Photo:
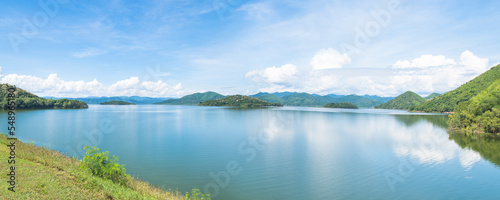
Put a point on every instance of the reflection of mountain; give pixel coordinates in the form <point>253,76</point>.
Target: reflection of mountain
<point>488,148</point>
<point>437,120</point>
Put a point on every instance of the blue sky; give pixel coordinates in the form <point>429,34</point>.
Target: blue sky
<point>72,48</point>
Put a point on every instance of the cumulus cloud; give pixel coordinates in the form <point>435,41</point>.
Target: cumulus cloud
<point>424,74</point>
<point>468,59</point>
<point>329,59</point>
<point>425,61</point>
<point>283,74</point>
<point>54,86</point>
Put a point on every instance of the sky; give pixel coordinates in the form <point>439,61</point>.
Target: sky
<point>171,48</point>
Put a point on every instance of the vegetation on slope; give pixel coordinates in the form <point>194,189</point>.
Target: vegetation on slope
<point>448,101</point>
<point>378,98</point>
<point>239,101</point>
<point>193,99</point>
<point>306,99</point>
<point>271,98</point>
<point>116,103</point>
<point>403,101</point>
<point>341,105</point>
<point>433,95</point>
<point>358,100</point>
<point>27,100</point>
<point>47,174</point>
<point>479,115</point>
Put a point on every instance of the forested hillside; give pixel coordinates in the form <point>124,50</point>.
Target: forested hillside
<point>448,101</point>
<point>27,100</point>
<point>193,99</point>
<point>403,101</point>
<point>238,101</point>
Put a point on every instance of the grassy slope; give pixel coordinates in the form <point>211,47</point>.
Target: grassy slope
<point>47,174</point>
<point>403,101</point>
<point>448,101</point>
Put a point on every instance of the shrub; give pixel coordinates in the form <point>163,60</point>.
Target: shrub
<point>197,195</point>
<point>100,164</point>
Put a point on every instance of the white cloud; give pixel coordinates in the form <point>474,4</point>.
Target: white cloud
<point>54,86</point>
<point>468,59</point>
<point>328,59</point>
<point>89,52</point>
<point>258,11</point>
<point>425,61</point>
<point>283,74</point>
<point>425,74</point>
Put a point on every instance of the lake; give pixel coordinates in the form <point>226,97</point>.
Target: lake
<point>278,153</point>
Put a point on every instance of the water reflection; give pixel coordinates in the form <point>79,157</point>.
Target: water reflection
<point>424,139</point>
<point>488,148</point>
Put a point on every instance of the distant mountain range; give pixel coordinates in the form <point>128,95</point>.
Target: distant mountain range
<point>285,98</point>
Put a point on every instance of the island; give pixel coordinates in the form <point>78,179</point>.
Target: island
<point>341,105</point>
<point>239,101</point>
<point>116,103</point>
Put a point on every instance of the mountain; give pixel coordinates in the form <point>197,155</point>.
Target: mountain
<point>357,100</point>
<point>282,94</point>
<point>341,105</point>
<point>306,99</point>
<point>448,101</point>
<point>378,98</point>
<point>131,99</point>
<point>269,98</point>
<point>27,100</point>
<point>238,101</point>
<point>479,115</point>
<point>403,101</point>
<point>334,95</point>
<point>193,99</point>
<point>116,103</point>
<point>433,95</point>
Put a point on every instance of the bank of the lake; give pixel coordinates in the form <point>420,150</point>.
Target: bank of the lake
<point>41,173</point>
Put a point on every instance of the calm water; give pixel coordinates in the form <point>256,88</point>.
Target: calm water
<point>278,153</point>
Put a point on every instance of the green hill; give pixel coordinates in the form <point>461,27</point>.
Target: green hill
<point>480,114</point>
<point>341,105</point>
<point>448,101</point>
<point>306,99</point>
<point>238,101</point>
<point>358,100</point>
<point>271,98</point>
<point>433,95</point>
<point>116,103</point>
<point>193,99</point>
<point>27,100</point>
<point>403,101</point>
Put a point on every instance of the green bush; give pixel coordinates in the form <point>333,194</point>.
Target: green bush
<point>100,164</point>
<point>197,195</point>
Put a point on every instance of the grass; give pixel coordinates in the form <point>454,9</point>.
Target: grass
<point>47,174</point>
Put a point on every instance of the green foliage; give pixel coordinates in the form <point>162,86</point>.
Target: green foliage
<point>448,101</point>
<point>403,101</point>
<point>193,99</point>
<point>480,114</point>
<point>27,100</point>
<point>197,195</point>
<point>239,101</point>
<point>433,95</point>
<point>101,165</point>
<point>341,105</point>
<point>115,102</point>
